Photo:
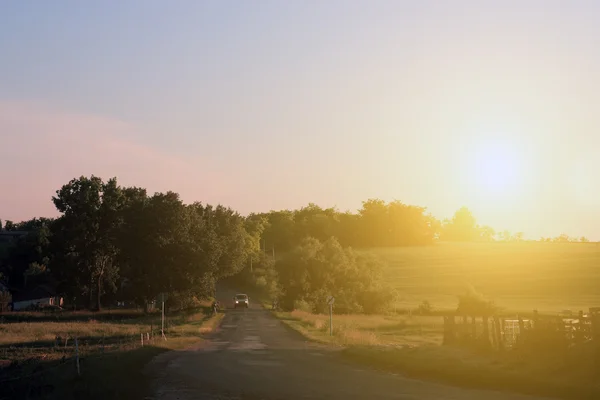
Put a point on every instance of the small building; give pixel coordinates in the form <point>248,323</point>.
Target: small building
<point>36,298</point>
<point>9,236</point>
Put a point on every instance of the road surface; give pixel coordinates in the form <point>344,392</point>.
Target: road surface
<point>253,356</point>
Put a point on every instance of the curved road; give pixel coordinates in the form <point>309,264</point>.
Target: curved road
<point>253,356</point>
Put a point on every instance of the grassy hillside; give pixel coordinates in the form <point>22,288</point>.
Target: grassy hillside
<point>550,277</point>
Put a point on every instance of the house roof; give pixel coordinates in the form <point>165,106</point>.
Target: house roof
<point>7,236</point>
<point>38,292</point>
<point>13,233</point>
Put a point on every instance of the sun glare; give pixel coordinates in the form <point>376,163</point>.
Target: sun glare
<point>495,169</point>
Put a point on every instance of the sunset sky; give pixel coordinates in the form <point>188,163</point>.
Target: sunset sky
<point>259,105</point>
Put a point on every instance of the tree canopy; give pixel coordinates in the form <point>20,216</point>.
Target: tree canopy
<point>120,243</point>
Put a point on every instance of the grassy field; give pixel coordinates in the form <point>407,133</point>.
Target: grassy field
<point>37,351</point>
<point>374,330</point>
<point>519,277</point>
<point>411,346</point>
<point>550,277</point>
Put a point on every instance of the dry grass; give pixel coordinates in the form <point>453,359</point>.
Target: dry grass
<point>550,277</point>
<point>111,354</point>
<point>397,331</point>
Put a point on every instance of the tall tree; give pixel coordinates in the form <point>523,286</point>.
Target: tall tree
<point>462,227</point>
<point>91,218</point>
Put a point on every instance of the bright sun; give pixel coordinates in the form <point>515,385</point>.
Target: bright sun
<point>495,169</point>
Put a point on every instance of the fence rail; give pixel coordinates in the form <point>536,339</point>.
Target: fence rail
<point>538,331</point>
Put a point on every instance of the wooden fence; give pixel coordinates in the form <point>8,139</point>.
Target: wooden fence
<point>537,331</point>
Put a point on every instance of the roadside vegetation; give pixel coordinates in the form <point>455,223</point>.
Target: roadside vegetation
<point>412,346</point>
<point>39,356</point>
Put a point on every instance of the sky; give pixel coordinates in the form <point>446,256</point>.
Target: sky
<point>262,105</point>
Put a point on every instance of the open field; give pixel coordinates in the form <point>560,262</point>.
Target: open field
<point>37,351</point>
<point>550,277</point>
<point>411,346</point>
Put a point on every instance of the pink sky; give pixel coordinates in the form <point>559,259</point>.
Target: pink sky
<point>43,149</point>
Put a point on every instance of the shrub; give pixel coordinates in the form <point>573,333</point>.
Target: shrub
<point>425,308</point>
<point>303,305</point>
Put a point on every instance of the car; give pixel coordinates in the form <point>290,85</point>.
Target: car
<point>240,300</point>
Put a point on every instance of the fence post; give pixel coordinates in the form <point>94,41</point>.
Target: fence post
<point>142,339</point>
<point>486,332</point>
<point>535,319</point>
<point>493,333</point>
<point>77,356</point>
<point>498,327</point>
<point>595,333</point>
<point>449,330</point>
<point>162,318</point>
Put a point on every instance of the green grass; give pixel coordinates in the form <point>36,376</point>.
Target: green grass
<point>36,366</point>
<point>550,277</point>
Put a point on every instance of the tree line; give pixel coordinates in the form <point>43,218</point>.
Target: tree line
<point>120,243</point>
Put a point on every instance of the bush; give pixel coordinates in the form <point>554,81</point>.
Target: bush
<point>425,308</point>
<point>302,305</point>
<point>313,271</point>
<point>474,304</point>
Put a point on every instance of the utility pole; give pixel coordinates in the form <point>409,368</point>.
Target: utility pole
<point>162,322</point>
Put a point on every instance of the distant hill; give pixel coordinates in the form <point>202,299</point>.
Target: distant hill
<point>519,276</point>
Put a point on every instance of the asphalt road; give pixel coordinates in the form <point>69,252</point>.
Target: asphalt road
<point>254,356</point>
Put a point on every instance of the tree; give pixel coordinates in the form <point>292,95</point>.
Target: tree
<point>280,233</point>
<point>563,238</point>
<point>462,227</point>
<point>156,254</point>
<point>91,219</point>
<point>375,224</point>
<point>518,237</point>
<point>487,233</point>
<point>31,249</point>
<point>314,270</point>
<point>505,236</point>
